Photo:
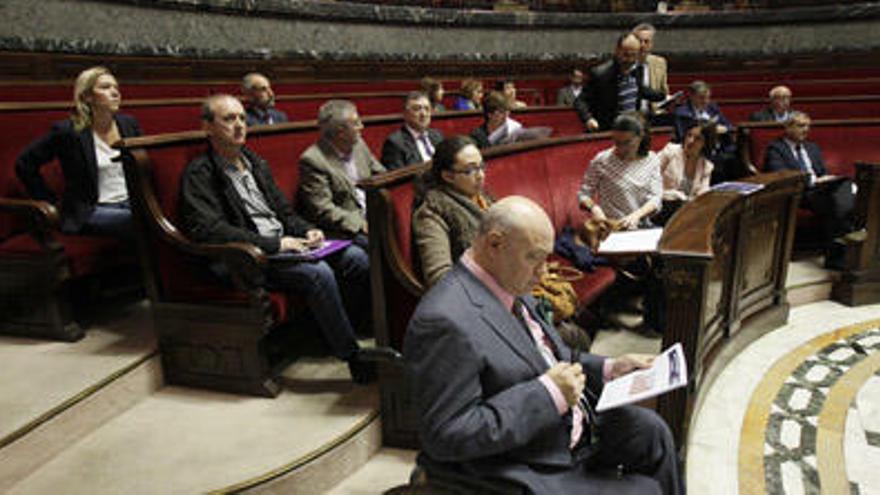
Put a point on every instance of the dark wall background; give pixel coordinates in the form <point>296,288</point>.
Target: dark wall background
<point>299,38</point>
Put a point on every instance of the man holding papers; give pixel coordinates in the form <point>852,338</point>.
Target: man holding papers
<point>499,393</point>
<point>228,195</point>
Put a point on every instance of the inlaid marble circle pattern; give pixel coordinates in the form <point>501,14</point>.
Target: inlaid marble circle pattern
<point>826,410</point>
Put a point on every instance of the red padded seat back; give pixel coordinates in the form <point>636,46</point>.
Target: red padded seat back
<point>565,171</point>
<point>564,121</point>
<point>842,143</point>
<point>843,146</point>
<point>458,124</point>
<point>282,152</point>
<point>523,174</point>
<point>19,129</point>
<point>375,134</point>
<point>164,118</point>
<point>760,138</point>
<point>401,198</point>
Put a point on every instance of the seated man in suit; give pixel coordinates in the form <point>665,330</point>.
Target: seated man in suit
<point>415,141</point>
<point>501,396</point>
<point>566,95</point>
<point>779,109</point>
<point>228,195</point>
<point>330,169</point>
<point>698,110</point>
<point>615,87</point>
<point>830,197</point>
<point>260,100</point>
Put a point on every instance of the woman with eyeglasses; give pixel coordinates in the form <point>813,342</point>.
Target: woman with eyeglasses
<point>449,211</point>
<point>95,197</point>
<point>625,178</point>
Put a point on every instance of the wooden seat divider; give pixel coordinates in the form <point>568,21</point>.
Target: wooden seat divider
<point>549,171</point>
<point>723,262</point>
<point>860,281</point>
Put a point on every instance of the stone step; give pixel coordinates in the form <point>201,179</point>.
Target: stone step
<point>319,430</point>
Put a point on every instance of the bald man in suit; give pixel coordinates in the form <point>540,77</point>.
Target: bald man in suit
<point>501,396</point>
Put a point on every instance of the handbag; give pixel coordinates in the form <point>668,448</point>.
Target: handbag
<point>556,291</point>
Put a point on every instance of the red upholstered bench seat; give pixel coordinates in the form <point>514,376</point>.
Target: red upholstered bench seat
<point>843,142</point>
<point>547,171</point>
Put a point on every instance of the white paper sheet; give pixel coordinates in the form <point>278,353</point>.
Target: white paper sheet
<point>631,241</point>
<point>668,372</point>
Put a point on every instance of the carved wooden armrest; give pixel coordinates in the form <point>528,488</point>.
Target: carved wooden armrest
<point>244,261</point>
<point>41,216</point>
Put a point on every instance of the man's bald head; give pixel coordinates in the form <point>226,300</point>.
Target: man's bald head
<point>627,51</point>
<point>780,99</point>
<point>513,242</point>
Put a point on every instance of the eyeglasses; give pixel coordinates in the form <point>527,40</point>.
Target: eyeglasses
<point>471,170</point>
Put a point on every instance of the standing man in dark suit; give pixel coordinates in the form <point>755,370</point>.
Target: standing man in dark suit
<point>501,396</point>
<point>415,141</point>
<point>260,101</point>
<point>615,87</point>
<point>779,109</point>
<point>830,197</point>
<point>569,93</point>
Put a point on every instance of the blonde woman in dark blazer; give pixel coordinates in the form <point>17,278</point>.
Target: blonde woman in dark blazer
<point>95,198</point>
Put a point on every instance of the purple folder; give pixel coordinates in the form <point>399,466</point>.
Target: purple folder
<point>329,247</point>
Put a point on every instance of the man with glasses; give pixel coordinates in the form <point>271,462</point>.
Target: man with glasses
<point>330,170</point>
<point>447,215</point>
<point>779,108</point>
<point>228,195</point>
<point>260,101</point>
<point>415,141</point>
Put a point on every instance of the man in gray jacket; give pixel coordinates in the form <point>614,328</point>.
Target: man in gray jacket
<point>330,169</point>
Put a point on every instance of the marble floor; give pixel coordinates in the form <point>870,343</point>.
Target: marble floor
<point>797,411</point>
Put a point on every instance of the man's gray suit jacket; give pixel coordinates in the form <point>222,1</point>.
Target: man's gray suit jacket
<point>475,372</point>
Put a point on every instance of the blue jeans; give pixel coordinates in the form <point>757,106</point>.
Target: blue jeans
<point>336,290</point>
<point>111,220</point>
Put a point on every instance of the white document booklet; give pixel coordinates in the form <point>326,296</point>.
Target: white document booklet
<point>668,372</point>
<point>631,241</point>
